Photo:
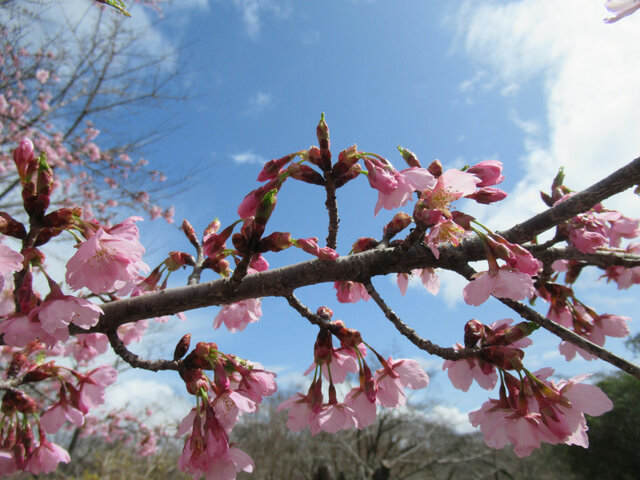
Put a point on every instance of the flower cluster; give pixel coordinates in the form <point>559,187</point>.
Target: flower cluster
<point>78,394</point>
<point>532,410</point>
<point>358,410</point>
<point>237,387</point>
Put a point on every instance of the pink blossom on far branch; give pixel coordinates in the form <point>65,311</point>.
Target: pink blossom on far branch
<point>503,283</point>
<point>237,316</point>
<point>108,260</point>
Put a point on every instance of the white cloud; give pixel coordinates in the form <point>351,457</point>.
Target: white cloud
<point>590,74</point>
<point>248,157</point>
<point>253,10</point>
<point>136,394</point>
<point>258,102</point>
<point>450,417</point>
<point>451,285</point>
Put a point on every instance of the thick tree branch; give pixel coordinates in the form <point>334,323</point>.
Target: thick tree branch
<point>601,258</point>
<point>382,261</point>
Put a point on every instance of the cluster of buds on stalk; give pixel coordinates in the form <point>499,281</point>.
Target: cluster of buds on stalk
<point>77,395</point>
<point>237,387</point>
<point>358,410</point>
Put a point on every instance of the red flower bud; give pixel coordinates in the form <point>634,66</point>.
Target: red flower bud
<point>306,174</point>
<point>346,159</point>
<point>487,195</point>
<point>352,173</point>
<point>11,227</point>
<point>272,168</point>
<point>189,231</point>
<point>399,222</point>
<point>435,168</point>
<point>409,157</point>
<point>474,332</point>
<point>275,242</point>
<point>182,347</point>
<point>363,244</point>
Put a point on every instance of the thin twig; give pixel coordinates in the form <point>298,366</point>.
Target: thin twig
<point>565,334</point>
<point>443,352</point>
<point>136,361</point>
<point>331,205</point>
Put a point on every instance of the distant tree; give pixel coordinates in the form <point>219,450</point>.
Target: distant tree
<point>72,86</point>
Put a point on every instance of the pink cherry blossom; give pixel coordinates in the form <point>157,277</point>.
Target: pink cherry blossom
<point>332,418</point>
<point>107,261</point>
<point>428,277</point>
<point>488,171</point>
<point>10,261</point>
<point>363,408</point>
<point>133,332</point>
<point>19,330</point>
<point>56,315</point>
<point>503,283</point>
<point>237,316</point>
<point>300,414</point>
<point>42,75</point>
<point>443,232</point>
<point>406,182</point>
<point>228,465</point>
<point>620,9</point>
<point>93,384</point>
<point>350,292</point>
<point>463,372</point>
<point>57,414</point>
<point>394,376</point>
<point>451,185</point>
<point>46,457</point>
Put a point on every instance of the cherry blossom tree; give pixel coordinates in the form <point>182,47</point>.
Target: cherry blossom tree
<point>111,294</point>
<point>63,82</point>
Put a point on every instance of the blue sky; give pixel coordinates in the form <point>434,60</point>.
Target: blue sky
<point>534,83</point>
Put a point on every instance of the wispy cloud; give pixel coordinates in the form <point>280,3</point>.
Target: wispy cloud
<point>248,157</point>
<point>252,12</point>
<point>258,103</point>
<point>590,76</point>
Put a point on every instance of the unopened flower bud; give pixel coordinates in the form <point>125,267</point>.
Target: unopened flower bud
<point>462,219</point>
<point>11,227</point>
<point>179,259</point>
<point>346,159</point>
<point>487,195</point>
<point>182,347</point>
<point>325,312</point>
<point>409,157</point>
<point>214,243</point>
<point>399,222</point>
<point>363,244</point>
<point>18,362</point>
<point>272,168</point>
<point>489,171</point>
<point>24,158</point>
<point>352,173</point>
<point>512,334</point>
<point>275,242</point>
<point>306,174</point>
<point>435,168</point>
<point>17,401</point>
<point>473,332</point>
<point>190,232</point>
<point>322,132</point>
<point>506,358</point>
